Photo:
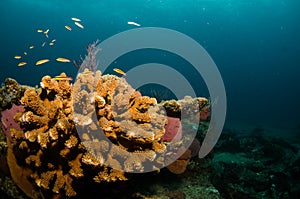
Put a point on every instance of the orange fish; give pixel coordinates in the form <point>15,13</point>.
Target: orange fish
<point>61,59</point>
<point>46,33</point>
<point>42,61</point>
<point>117,70</point>
<point>17,57</point>
<point>62,78</point>
<point>68,28</point>
<point>22,63</point>
<point>39,30</point>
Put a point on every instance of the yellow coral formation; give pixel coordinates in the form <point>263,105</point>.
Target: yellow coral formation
<point>48,123</point>
<point>130,121</point>
<point>76,169</point>
<point>71,142</point>
<point>36,159</point>
<point>92,131</point>
<point>139,109</point>
<point>89,159</point>
<point>109,176</point>
<point>44,179</point>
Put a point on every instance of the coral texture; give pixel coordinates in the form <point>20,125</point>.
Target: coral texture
<point>51,147</point>
<point>10,93</point>
<point>112,124</point>
<point>91,132</point>
<point>131,125</point>
<point>71,138</point>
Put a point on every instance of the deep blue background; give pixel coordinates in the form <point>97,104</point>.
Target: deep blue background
<point>255,45</point>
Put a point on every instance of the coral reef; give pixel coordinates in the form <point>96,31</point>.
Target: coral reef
<point>69,134</point>
<point>10,93</point>
<point>193,109</point>
<point>66,140</point>
<point>51,148</point>
<point>95,131</point>
<point>65,137</point>
<point>128,122</point>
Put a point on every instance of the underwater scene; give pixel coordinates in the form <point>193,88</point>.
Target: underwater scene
<point>150,99</point>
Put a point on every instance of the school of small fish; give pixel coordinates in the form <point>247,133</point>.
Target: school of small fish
<point>78,23</point>
<point>46,32</point>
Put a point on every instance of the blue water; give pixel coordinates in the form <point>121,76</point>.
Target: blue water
<point>255,45</point>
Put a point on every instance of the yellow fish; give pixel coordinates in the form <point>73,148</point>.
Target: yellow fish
<point>61,59</point>
<point>75,19</point>
<point>25,53</point>
<point>79,24</point>
<point>22,63</point>
<point>62,78</point>
<point>46,32</point>
<point>31,47</point>
<point>51,44</point>
<point>86,73</point>
<point>39,30</point>
<point>42,61</point>
<point>68,28</point>
<point>17,57</point>
<point>117,70</point>
<point>53,40</point>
